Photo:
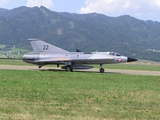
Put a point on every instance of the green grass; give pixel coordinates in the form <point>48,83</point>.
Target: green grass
<point>2,46</point>
<point>151,67</point>
<point>12,62</point>
<point>78,95</point>
<point>12,52</point>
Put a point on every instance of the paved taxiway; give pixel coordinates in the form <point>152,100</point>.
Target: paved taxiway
<point>113,71</point>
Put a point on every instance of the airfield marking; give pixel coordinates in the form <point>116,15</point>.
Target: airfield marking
<point>116,71</point>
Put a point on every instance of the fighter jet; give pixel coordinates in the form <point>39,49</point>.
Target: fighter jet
<point>45,53</point>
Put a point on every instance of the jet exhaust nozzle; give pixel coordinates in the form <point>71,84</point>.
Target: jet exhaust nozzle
<point>131,60</point>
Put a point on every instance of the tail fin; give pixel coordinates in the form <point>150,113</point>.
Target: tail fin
<point>41,46</point>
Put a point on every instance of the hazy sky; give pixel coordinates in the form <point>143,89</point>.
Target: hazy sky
<point>141,9</point>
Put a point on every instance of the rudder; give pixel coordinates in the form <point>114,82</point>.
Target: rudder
<point>41,46</point>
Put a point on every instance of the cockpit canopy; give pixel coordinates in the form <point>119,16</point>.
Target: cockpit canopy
<point>114,54</point>
<point>108,53</point>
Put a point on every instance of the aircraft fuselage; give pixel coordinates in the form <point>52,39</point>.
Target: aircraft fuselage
<point>45,53</point>
<point>73,57</point>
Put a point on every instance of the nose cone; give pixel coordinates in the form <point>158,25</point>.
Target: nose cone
<point>131,60</point>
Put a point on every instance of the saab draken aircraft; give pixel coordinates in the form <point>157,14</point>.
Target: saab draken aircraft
<point>45,53</point>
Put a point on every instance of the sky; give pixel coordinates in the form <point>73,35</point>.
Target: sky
<point>140,9</point>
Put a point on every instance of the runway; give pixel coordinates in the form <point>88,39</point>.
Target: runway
<point>109,71</point>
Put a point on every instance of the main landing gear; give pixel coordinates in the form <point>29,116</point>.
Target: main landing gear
<point>40,66</point>
<point>101,70</point>
<point>69,68</point>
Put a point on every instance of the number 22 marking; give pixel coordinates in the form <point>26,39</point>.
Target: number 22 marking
<point>45,47</point>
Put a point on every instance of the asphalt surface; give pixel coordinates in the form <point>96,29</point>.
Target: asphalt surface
<point>110,71</point>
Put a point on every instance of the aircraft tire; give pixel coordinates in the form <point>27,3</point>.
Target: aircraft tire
<point>40,66</point>
<point>101,70</point>
<point>68,68</point>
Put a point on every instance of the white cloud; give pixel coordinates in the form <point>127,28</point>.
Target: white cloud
<point>157,2</point>
<point>110,7</point>
<point>2,2</point>
<point>122,7</point>
<point>46,3</point>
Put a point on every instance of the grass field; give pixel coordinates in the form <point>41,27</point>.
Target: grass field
<point>145,67</point>
<point>11,52</point>
<point>78,96</point>
<point>12,62</point>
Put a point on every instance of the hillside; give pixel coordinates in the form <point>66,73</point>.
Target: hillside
<point>87,32</point>
<point>2,10</point>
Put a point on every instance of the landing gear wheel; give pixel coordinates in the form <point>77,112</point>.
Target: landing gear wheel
<point>68,68</point>
<point>40,66</point>
<point>101,70</point>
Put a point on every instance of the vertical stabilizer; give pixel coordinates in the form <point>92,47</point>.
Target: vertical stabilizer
<point>41,46</point>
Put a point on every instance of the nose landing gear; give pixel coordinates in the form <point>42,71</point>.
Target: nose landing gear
<point>101,70</point>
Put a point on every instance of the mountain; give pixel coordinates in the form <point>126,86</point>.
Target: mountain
<point>87,32</point>
<point>2,10</point>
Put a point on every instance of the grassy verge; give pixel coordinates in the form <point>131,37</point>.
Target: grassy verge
<point>12,62</point>
<point>11,51</point>
<point>77,95</point>
<point>151,67</point>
